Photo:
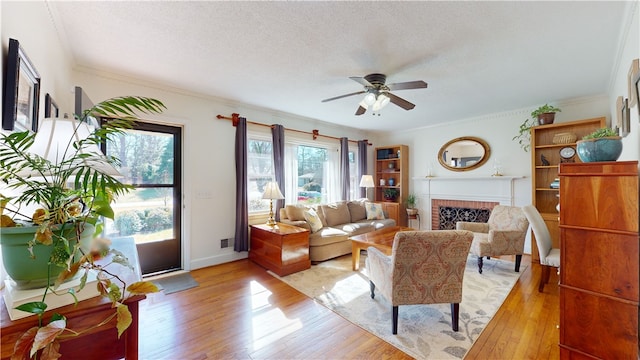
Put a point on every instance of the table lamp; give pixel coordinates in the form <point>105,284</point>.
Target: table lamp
<point>367,182</point>
<point>271,192</point>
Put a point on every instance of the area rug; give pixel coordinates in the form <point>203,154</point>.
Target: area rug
<point>424,331</point>
<point>174,283</point>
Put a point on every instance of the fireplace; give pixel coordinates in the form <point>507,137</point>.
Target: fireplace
<point>445,213</point>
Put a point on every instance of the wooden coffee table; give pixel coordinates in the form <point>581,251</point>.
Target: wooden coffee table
<point>380,239</point>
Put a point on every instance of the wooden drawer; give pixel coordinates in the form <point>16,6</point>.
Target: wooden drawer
<point>600,261</point>
<point>598,325</point>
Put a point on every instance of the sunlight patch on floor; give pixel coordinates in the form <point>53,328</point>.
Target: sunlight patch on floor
<point>269,323</point>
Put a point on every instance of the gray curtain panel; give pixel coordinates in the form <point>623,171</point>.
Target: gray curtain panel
<point>362,164</point>
<point>277,135</point>
<point>242,211</point>
<point>344,167</point>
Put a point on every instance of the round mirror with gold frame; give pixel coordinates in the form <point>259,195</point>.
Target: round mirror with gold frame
<point>464,153</point>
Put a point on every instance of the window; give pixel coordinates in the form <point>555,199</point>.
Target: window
<point>259,171</point>
<point>312,171</point>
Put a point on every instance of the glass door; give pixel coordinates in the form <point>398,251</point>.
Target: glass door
<point>150,156</point>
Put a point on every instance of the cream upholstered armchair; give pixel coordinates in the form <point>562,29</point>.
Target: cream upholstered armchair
<point>425,267</point>
<point>503,234</point>
<point>549,256</point>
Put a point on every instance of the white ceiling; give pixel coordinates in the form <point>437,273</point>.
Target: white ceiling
<point>477,57</point>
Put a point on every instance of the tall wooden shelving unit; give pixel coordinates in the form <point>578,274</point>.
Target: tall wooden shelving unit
<point>392,162</point>
<point>543,197</point>
<point>599,260</point>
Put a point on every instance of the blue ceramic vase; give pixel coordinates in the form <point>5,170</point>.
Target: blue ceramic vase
<point>600,149</point>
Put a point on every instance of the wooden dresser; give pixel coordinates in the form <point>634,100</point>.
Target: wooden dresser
<point>599,271</point>
<point>283,249</point>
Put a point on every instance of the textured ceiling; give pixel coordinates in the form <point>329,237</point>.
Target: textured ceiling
<point>477,57</point>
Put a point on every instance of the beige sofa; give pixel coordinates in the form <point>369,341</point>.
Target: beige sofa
<point>339,221</point>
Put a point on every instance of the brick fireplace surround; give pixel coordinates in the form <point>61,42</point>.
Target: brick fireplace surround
<point>445,213</point>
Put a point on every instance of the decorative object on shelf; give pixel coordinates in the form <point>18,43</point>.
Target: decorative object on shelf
<point>564,138</point>
<point>69,177</point>
<point>497,168</point>
<point>398,154</point>
<point>21,91</point>
<point>272,192</point>
<point>367,182</point>
<point>567,154</point>
<point>383,182</point>
<point>392,181</point>
<point>544,160</point>
<point>410,203</point>
<point>601,145</point>
<point>391,194</point>
<point>430,170</point>
<point>464,153</point>
<point>555,184</point>
<point>391,165</point>
<point>543,115</point>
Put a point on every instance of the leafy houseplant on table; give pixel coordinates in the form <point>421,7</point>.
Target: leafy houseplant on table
<point>601,145</point>
<point>410,203</point>
<point>545,114</point>
<point>73,189</point>
<point>390,194</point>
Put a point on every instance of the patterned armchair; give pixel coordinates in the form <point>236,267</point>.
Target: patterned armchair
<point>425,267</point>
<point>503,234</point>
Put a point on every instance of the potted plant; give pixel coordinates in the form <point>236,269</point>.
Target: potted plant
<point>545,114</point>
<point>391,194</point>
<point>72,191</point>
<point>410,203</point>
<point>601,145</point>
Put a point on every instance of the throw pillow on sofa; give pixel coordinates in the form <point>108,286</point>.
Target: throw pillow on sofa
<point>336,214</point>
<point>357,210</point>
<point>374,211</point>
<point>294,212</point>
<point>313,219</point>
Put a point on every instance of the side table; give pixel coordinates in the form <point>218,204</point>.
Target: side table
<point>283,248</point>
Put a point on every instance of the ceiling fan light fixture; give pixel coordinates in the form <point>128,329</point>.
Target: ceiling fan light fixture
<point>381,102</point>
<point>369,99</point>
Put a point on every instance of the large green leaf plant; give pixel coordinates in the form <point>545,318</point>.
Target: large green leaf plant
<point>76,189</point>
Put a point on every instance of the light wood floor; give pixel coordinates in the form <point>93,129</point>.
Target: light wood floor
<point>239,311</point>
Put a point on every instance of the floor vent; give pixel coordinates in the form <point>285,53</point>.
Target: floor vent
<point>225,243</point>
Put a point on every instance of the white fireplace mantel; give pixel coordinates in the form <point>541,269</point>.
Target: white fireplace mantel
<point>500,189</point>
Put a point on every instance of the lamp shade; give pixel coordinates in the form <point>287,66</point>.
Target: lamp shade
<point>54,140</point>
<point>366,181</point>
<point>272,191</point>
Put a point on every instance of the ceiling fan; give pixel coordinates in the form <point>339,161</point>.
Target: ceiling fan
<point>378,93</point>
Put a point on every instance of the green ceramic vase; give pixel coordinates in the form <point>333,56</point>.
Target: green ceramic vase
<point>31,273</point>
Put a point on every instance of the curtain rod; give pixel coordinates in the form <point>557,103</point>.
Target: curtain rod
<point>315,133</point>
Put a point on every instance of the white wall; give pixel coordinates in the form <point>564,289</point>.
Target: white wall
<point>630,49</point>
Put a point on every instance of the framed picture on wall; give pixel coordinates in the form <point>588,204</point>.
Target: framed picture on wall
<point>21,92</point>
<point>631,76</point>
<point>50,107</point>
<point>625,115</point>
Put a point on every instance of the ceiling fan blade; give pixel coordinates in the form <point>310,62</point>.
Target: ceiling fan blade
<point>360,80</point>
<point>419,84</point>
<point>400,101</point>
<point>361,110</point>
<point>343,96</point>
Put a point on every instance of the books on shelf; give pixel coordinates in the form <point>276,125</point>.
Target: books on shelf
<point>14,297</point>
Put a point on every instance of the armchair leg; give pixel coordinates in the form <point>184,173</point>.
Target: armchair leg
<point>518,261</point>
<point>455,316</point>
<point>372,286</point>
<point>394,320</point>
<point>480,264</point>
<point>544,278</point>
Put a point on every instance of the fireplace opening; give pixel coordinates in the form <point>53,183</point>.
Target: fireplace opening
<point>446,213</point>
